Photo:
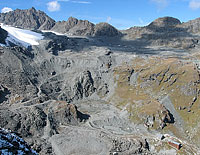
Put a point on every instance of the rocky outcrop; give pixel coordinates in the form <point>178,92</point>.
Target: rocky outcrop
<point>62,113</point>
<point>3,36</point>
<point>158,120</point>
<point>27,19</point>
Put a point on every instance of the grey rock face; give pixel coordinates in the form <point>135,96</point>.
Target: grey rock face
<point>28,19</point>
<point>3,93</point>
<point>3,35</point>
<point>12,76</point>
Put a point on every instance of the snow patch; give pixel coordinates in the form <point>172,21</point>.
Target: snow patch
<point>59,34</point>
<point>21,37</point>
<point>2,45</point>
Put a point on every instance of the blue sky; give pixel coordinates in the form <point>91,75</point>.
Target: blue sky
<point>120,13</point>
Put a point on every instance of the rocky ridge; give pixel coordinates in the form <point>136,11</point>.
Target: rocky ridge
<point>37,20</point>
<point>27,19</point>
<point>166,31</point>
<point>77,27</point>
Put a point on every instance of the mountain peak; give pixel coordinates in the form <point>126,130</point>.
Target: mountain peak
<point>165,21</point>
<point>27,19</point>
<point>32,8</point>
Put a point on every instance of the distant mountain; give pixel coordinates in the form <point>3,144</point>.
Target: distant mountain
<point>74,26</point>
<point>27,19</point>
<point>37,20</point>
<point>165,31</point>
<point>165,22</point>
<point>105,29</point>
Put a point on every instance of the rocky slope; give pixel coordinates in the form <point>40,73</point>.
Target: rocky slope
<point>27,19</point>
<point>120,95</point>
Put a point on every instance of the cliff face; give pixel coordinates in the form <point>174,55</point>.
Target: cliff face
<point>3,35</point>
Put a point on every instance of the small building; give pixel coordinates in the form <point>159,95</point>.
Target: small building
<point>175,144</point>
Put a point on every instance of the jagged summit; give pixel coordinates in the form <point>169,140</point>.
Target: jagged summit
<point>81,27</point>
<point>73,26</point>
<point>65,26</point>
<point>28,19</point>
<point>37,20</point>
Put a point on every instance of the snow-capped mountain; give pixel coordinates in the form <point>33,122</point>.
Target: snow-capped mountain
<point>21,37</point>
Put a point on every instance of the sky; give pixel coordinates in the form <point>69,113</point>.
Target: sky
<point>119,13</point>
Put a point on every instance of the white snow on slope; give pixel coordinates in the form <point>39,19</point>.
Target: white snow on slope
<point>59,34</point>
<point>21,37</point>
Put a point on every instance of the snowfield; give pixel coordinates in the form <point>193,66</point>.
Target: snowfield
<point>21,37</point>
